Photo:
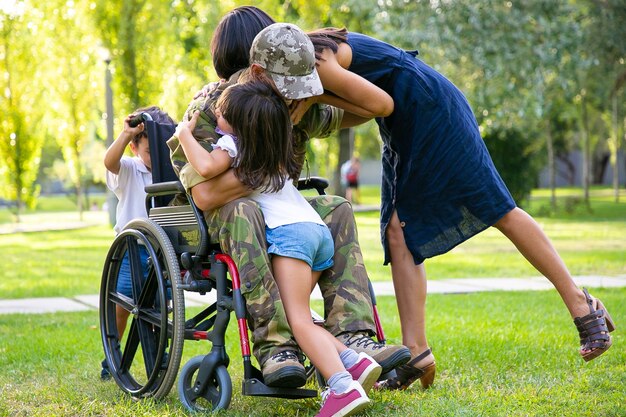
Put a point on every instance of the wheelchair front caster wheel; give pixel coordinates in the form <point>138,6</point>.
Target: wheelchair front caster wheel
<point>215,396</point>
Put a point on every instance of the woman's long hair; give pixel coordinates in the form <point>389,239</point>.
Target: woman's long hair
<point>327,38</point>
<point>233,36</point>
<point>260,119</point>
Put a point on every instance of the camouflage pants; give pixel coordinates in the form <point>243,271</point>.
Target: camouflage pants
<point>240,229</point>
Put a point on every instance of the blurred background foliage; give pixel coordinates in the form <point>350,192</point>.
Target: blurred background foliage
<point>544,77</point>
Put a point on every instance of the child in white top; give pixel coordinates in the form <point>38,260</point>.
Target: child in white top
<point>257,143</point>
<point>127,177</point>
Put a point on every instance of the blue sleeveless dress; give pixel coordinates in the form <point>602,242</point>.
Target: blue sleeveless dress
<point>437,172</point>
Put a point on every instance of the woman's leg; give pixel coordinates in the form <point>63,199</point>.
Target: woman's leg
<point>534,245</point>
<point>409,281</point>
<point>295,281</point>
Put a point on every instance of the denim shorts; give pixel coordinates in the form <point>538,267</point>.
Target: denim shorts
<point>123,279</point>
<point>307,241</point>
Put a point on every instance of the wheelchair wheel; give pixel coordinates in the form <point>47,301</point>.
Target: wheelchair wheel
<point>145,361</point>
<point>312,374</point>
<point>217,394</point>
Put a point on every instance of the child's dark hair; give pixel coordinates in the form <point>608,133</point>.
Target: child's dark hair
<point>158,115</point>
<point>260,119</point>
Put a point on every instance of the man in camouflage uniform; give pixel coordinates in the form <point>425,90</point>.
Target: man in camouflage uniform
<point>284,53</point>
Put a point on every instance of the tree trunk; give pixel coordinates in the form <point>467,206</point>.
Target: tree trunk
<point>615,149</point>
<point>346,139</point>
<point>80,199</point>
<point>551,165</point>
<point>586,150</point>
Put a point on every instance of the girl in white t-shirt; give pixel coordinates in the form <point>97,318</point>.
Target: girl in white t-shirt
<point>257,143</point>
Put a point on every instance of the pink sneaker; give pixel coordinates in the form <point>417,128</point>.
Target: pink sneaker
<point>366,371</point>
<point>346,404</point>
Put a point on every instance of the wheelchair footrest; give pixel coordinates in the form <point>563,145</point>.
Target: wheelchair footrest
<point>255,387</point>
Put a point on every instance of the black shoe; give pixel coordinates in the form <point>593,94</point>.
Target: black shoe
<point>284,370</point>
<point>105,375</point>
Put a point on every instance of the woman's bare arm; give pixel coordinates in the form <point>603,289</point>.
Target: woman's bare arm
<point>351,92</point>
<point>351,120</point>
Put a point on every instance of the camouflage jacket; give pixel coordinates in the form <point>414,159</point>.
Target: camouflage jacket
<point>318,122</point>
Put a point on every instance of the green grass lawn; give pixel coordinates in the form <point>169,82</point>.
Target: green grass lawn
<point>65,263</point>
<point>498,354</point>
<point>590,242</point>
<point>53,263</point>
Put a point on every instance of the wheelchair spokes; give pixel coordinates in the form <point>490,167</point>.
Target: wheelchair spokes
<point>145,362</point>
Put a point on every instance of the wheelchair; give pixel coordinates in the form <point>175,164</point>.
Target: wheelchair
<point>179,258</point>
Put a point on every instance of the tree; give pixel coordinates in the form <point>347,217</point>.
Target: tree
<point>159,51</point>
<point>605,37</point>
<point>513,60</point>
<point>20,104</point>
<point>76,100</point>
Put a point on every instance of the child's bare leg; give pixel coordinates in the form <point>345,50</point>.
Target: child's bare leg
<point>295,280</point>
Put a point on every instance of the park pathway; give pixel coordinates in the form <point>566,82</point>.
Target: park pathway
<point>443,286</point>
<point>58,221</point>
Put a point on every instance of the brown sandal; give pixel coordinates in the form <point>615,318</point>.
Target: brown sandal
<point>408,373</point>
<point>594,329</point>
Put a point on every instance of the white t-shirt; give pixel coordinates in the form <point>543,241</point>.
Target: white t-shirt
<point>285,206</point>
<point>129,187</point>
<point>345,167</point>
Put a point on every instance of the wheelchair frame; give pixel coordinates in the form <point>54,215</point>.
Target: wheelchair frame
<point>180,258</point>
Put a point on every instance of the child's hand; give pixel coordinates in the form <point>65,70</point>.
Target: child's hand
<point>132,131</point>
<point>187,125</point>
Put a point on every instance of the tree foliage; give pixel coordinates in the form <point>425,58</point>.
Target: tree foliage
<point>20,104</point>
<point>549,74</point>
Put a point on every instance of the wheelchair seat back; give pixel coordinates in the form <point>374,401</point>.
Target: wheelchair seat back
<point>162,170</point>
<point>184,224</point>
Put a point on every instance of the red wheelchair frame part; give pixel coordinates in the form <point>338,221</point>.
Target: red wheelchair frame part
<point>242,323</point>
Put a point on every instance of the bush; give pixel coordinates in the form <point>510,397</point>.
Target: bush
<point>516,158</point>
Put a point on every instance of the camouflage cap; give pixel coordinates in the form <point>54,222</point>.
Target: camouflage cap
<point>288,56</point>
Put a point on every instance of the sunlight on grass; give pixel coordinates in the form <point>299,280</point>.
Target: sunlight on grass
<point>590,243</point>
<point>56,263</point>
<point>498,354</point>
<point>67,263</point>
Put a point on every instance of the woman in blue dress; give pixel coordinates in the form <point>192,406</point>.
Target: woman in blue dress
<point>439,185</point>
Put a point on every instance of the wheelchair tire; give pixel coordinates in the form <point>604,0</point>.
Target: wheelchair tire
<point>217,394</point>
<point>146,362</point>
<point>313,375</point>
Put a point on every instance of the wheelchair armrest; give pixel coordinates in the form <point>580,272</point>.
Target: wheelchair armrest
<point>165,188</point>
<point>317,183</point>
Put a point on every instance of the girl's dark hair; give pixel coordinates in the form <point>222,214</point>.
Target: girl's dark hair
<point>260,119</point>
<point>158,115</point>
<point>327,38</point>
<point>233,36</point>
